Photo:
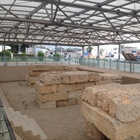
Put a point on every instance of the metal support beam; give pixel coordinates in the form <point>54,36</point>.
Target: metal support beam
<point>83,48</point>
<point>98,51</point>
<point>65,24</point>
<point>57,6</point>
<point>119,56</point>
<point>19,48</point>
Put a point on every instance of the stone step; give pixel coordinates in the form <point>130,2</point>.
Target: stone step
<point>39,130</point>
<point>26,130</point>
<point>14,120</point>
<point>36,135</point>
<point>27,127</point>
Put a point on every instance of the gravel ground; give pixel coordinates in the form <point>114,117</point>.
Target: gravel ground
<point>63,123</point>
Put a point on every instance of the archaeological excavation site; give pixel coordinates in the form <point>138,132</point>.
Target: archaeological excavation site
<point>61,102</point>
<point>69,69</point>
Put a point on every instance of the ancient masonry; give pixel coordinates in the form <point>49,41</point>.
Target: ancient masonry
<point>56,89</point>
<point>112,111</point>
<point>36,70</point>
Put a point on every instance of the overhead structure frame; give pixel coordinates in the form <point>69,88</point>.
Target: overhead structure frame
<point>72,23</point>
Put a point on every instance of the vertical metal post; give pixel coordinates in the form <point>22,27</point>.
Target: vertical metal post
<point>4,55</point>
<point>104,64</point>
<point>124,65</point>
<point>55,49</point>
<point>110,63</point>
<point>16,61</point>
<point>119,54</point>
<point>61,59</point>
<point>83,51</point>
<point>130,66</point>
<point>19,48</point>
<point>98,51</point>
<point>98,62</point>
<point>133,66</point>
<point>45,59</point>
<point>26,60</point>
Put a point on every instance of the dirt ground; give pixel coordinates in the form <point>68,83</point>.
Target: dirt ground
<point>63,123</point>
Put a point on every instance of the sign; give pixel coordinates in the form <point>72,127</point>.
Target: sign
<point>129,56</point>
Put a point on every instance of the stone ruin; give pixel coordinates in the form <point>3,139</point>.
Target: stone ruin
<point>112,112</point>
<point>36,69</point>
<point>56,89</point>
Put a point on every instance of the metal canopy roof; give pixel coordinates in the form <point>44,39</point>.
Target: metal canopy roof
<point>70,22</point>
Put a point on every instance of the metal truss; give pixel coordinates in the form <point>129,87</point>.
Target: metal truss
<point>73,22</point>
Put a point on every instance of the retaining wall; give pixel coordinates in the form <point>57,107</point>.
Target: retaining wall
<point>58,89</point>
<point>36,70</point>
<point>13,73</point>
<point>112,111</point>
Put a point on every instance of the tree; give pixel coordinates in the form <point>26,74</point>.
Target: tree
<point>89,49</point>
<point>14,47</point>
<point>5,53</point>
<point>40,56</point>
<point>101,51</point>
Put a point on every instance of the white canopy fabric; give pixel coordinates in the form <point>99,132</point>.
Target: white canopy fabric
<point>70,22</point>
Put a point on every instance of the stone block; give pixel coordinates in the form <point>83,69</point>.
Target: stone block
<point>38,67</point>
<point>75,94</point>
<point>65,78</point>
<point>42,89</point>
<point>119,81</point>
<point>32,80</point>
<point>51,97</point>
<point>83,77</point>
<point>124,108</point>
<point>54,88</point>
<point>111,127</point>
<point>46,105</point>
<point>102,82</point>
<point>73,78</point>
<point>94,76</point>
<point>90,96</point>
<point>79,86</point>
<point>89,84</point>
<point>61,103</point>
<point>79,101</point>
<point>72,102</point>
<point>35,73</point>
<point>67,102</point>
<point>53,79</point>
<point>92,133</point>
<point>64,88</point>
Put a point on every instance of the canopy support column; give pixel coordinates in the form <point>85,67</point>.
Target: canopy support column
<point>83,50</point>
<point>19,48</point>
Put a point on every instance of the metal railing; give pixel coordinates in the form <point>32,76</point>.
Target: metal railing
<point>99,63</point>
<point>6,132</point>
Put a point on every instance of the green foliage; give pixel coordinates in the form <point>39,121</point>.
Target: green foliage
<point>7,54</point>
<point>23,56</point>
<point>14,47</point>
<point>89,49</point>
<point>40,56</point>
<point>56,57</point>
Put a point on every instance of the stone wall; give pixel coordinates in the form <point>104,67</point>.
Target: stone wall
<point>112,111</point>
<point>56,89</point>
<point>36,69</point>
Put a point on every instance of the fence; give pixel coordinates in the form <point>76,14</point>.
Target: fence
<point>100,63</point>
